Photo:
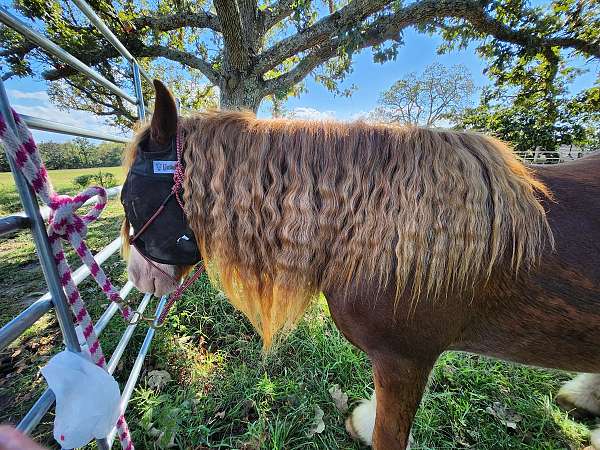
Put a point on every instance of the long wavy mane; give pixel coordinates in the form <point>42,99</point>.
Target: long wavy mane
<point>283,209</point>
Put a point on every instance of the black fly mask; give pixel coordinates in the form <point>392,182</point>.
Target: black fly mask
<point>160,228</point>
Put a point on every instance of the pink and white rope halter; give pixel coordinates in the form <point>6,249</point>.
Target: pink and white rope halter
<point>65,224</point>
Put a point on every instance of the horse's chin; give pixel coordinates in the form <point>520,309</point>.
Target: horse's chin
<point>147,278</point>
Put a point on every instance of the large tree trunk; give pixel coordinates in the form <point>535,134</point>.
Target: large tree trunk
<point>240,93</point>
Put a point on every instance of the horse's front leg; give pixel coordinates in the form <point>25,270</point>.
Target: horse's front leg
<point>385,420</point>
<point>399,386</point>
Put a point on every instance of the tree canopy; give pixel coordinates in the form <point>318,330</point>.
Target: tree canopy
<point>538,124</point>
<point>257,49</point>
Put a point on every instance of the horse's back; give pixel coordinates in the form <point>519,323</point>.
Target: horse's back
<point>546,316</point>
<point>549,316</point>
<point>574,213</point>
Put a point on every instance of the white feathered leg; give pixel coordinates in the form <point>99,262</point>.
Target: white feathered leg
<point>582,394</point>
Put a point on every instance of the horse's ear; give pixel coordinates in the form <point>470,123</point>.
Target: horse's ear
<point>164,119</point>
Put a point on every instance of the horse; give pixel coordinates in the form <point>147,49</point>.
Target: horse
<point>421,240</point>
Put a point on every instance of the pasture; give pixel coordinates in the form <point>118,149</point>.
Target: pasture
<point>205,383</point>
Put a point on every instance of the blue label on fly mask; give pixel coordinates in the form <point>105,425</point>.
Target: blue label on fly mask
<point>163,166</point>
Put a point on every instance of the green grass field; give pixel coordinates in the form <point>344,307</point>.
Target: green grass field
<point>62,181</point>
<point>222,394</point>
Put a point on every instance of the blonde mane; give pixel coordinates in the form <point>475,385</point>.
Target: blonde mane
<point>284,209</point>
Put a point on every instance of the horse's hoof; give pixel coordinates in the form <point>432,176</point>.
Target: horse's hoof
<point>581,396</point>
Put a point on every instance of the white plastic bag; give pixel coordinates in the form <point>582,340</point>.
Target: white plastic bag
<point>87,399</point>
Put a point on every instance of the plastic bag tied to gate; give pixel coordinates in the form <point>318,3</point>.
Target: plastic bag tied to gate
<point>87,399</point>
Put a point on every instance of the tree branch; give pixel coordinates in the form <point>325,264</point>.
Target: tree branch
<point>306,65</point>
<point>382,29</point>
<point>233,33</point>
<point>484,23</point>
<point>168,22</point>
<point>388,27</point>
<point>319,33</point>
<point>277,12</point>
<point>186,59</point>
<point>19,51</point>
<point>140,50</point>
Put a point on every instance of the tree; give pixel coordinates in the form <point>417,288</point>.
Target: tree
<point>536,125</point>
<point>76,154</point>
<point>439,93</point>
<point>110,154</point>
<point>257,49</point>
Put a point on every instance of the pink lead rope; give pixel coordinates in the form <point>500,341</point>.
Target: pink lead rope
<point>65,224</point>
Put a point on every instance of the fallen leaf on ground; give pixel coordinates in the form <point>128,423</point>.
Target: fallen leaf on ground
<point>318,426</point>
<point>505,415</point>
<point>219,415</point>
<point>339,398</point>
<point>158,378</point>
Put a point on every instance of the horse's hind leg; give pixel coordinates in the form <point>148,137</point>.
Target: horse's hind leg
<point>581,395</point>
<point>399,386</point>
<point>361,422</point>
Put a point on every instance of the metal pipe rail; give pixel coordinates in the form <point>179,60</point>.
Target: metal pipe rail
<point>46,400</point>
<point>34,217</point>
<point>19,221</point>
<point>14,328</point>
<point>36,123</point>
<point>10,224</point>
<point>40,237</point>
<point>12,22</point>
<point>108,34</point>
<point>135,372</point>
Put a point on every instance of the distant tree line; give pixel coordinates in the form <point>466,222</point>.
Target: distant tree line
<point>77,154</point>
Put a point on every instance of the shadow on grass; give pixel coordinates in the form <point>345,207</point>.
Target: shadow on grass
<point>225,394</point>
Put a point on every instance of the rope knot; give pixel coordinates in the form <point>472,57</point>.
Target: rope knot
<point>64,221</point>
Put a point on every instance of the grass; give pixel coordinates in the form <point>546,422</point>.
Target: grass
<point>62,181</point>
<point>223,394</point>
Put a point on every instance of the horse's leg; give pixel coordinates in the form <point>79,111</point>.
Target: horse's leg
<point>403,346</point>
<point>385,420</point>
<point>361,423</point>
<point>581,395</point>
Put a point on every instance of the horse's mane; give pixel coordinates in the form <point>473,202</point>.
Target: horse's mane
<point>283,209</point>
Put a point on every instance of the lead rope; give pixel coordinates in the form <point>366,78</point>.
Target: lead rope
<point>178,174</point>
<point>65,224</point>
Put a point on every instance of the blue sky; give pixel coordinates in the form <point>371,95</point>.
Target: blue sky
<point>371,78</point>
<point>28,95</point>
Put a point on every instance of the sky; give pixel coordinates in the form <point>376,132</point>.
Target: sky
<point>28,96</point>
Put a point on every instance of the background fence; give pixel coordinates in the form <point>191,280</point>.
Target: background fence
<point>33,218</point>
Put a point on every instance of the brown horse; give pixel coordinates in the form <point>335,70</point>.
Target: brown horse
<point>422,241</point>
